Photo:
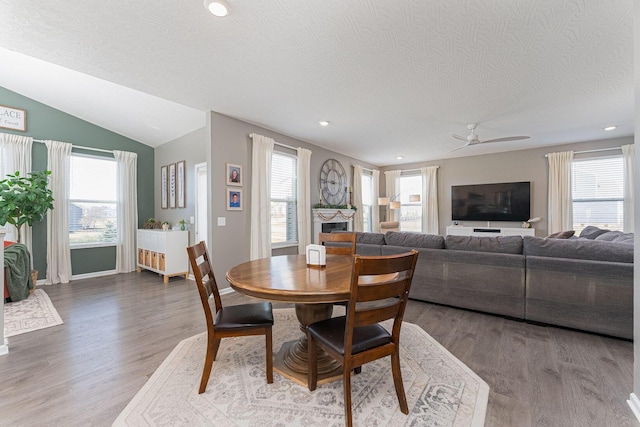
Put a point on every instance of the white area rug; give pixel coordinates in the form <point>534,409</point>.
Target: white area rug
<point>31,314</point>
<point>441,390</point>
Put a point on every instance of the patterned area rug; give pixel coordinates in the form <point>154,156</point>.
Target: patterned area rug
<point>441,390</point>
<point>31,314</point>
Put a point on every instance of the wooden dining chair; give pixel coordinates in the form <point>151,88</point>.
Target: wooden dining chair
<point>231,321</point>
<point>340,238</point>
<point>379,291</point>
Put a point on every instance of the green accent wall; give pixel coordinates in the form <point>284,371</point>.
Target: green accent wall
<point>44,122</point>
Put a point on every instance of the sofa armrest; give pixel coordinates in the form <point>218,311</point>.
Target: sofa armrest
<point>595,296</point>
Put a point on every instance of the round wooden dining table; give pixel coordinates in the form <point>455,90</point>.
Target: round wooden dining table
<point>313,290</point>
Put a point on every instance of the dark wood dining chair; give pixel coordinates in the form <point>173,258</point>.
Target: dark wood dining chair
<point>231,321</point>
<point>340,238</point>
<point>379,291</point>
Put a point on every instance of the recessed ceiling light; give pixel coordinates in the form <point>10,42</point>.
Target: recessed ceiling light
<point>611,127</point>
<point>323,123</point>
<point>219,8</point>
<point>398,157</point>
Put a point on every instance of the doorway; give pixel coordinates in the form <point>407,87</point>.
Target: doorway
<point>201,230</point>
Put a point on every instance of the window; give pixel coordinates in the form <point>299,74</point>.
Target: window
<point>367,202</point>
<point>284,203</point>
<point>92,200</point>
<point>598,193</point>
<point>410,212</point>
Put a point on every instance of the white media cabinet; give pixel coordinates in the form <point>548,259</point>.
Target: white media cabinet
<point>164,252</point>
<point>457,230</point>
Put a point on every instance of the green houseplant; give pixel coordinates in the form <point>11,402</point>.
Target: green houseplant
<point>24,199</point>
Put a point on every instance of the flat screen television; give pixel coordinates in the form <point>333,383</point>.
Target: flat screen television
<point>509,201</point>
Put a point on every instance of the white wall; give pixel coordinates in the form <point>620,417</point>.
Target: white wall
<point>636,256</point>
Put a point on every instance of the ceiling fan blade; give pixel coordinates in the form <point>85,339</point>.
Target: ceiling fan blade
<point>458,148</point>
<point>461,138</point>
<point>508,138</point>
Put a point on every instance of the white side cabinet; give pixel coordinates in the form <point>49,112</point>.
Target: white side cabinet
<point>164,252</point>
<point>456,230</point>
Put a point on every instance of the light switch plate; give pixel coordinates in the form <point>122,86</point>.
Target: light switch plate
<point>222,221</point>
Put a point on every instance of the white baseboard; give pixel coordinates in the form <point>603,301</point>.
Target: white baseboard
<point>226,291</point>
<point>93,274</point>
<point>634,404</point>
<point>4,349</point>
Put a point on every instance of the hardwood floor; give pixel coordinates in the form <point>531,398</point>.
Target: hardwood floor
<point>118,329</point>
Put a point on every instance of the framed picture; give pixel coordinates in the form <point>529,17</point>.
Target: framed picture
<point>13,118</point>
<point>172,185</point>
<point>234,174</point>
<point>180,192</point>
<point>164,176</point>
<point>234,199</point>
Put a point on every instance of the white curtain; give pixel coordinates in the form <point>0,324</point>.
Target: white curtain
<point>127,214</point>
<point>430,199</point>
<point>261,196</point>
<point>375,208</point>
<point>560,198</point>
<point>392,179</point>
<point>15,156</point>
<point>358,219</point>
<point>628,155</point>
<point>58,250</point>
<point>304,199</point>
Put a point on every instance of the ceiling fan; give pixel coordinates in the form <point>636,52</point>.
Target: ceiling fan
<point>473,139</point>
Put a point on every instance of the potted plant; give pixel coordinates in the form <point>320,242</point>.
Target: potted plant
<point>182,223</point>
<point>24,199</point>
<point>165,225</point>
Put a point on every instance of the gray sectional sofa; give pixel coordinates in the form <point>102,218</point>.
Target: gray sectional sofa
<point>582,282</point>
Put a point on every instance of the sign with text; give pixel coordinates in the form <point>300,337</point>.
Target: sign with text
<point>13,118</point>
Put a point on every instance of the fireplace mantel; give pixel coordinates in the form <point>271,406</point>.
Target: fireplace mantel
<point>333,216</point>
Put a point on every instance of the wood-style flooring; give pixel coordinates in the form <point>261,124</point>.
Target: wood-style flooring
<point>118,329</point>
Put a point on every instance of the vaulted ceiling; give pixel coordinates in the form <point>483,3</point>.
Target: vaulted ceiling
<point>392,78</point>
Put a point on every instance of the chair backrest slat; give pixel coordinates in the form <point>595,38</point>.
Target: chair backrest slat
<point>370,316</point>
<point>338,238</point>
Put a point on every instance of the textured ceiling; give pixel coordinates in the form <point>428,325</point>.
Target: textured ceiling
<point>393,78</point>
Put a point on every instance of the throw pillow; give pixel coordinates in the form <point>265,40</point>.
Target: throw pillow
<point>561,234</point>
<point>591,232</point>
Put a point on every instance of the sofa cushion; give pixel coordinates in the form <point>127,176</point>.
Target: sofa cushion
<point>496,244</point>
<point>591,232</point>
<point>414,240</point>
<point>561,234</point>
<point>616,236</point>
<point>370,238</point>
<point>578,249</point>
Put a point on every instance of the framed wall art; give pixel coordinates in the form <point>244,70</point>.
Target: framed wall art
<point>181,189</point>
<point>172,185</point>
<point>234,174</point>
<point>164,176</point>
<point>234,199</point>
<point>13,118</point>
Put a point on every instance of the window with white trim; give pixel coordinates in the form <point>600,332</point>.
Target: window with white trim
<point>367,201</point>
<point>284,199</point>
<point>92,201</point>
<point>410,212</point>
<point>598,193</point>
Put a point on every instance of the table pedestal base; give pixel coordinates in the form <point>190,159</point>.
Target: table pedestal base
<point>287,353</point>
<point>292,358</point>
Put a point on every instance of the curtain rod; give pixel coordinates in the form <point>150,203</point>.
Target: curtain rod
<point>81,147</point>
<point>277,143</point>
<point>592,151</point>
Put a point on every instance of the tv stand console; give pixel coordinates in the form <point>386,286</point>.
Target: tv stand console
<point>457,230</point>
